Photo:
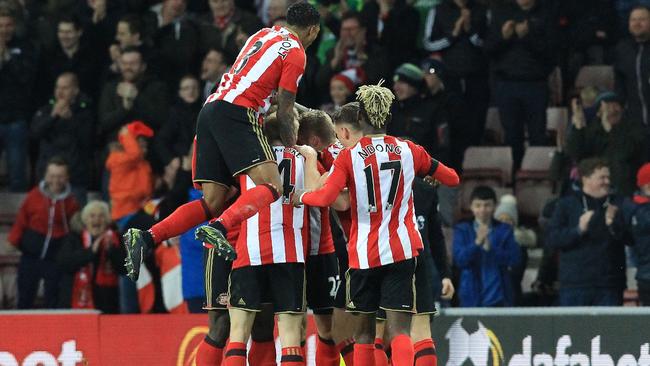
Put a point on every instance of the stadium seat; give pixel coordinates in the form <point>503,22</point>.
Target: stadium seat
<point>600,76</point>
<point>488,163</point>
<point>10,205</point>
<point>536,163</point>
<point>556,118</point>
<point>493,129</point>
<point>532,195</point>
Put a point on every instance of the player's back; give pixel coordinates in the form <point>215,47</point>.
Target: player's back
<point>383,228</point>
<point>278,233</point>
<point>271,58</point>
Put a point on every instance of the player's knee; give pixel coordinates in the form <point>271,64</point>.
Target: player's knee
<point>219,327</point>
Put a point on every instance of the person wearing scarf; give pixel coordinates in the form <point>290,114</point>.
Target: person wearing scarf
<point>89,261</point>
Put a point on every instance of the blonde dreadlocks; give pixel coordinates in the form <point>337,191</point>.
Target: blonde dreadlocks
<point>375,102</point>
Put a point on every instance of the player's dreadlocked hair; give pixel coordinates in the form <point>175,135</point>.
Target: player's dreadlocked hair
<point>374,103</point>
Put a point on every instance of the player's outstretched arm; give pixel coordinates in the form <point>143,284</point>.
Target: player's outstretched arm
<point>444,174</point>
<point>286,101</point>
<point>324,196</point>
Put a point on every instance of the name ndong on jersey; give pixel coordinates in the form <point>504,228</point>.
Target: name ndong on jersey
<point>366,151</point>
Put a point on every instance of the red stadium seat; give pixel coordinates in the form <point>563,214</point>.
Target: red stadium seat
<point>600,76</point>
<point>488,163</point>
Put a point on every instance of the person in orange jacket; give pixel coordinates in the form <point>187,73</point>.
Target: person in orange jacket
<point>131,182</point>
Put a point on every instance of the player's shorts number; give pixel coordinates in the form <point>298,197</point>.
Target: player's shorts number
<point>335,281</point>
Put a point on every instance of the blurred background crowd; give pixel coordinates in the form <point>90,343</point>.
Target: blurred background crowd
<point>542,105</point>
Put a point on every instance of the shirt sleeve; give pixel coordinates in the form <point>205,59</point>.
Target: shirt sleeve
<point>327,194</point>
<point>293,66</point>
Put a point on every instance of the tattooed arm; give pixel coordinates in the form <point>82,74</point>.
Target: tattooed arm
<point>288,128</point>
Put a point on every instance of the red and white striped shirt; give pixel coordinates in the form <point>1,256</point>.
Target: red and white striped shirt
<point>278,233</point>
<point>272,58</point>
<point>379,173</point>
<point>328,155</point>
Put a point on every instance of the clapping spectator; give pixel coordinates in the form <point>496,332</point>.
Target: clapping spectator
<point>64,127</point>
<point>17,71</point>
<point>175,137</point>
<point>40,228</point>
<point>632,66</point>
<point>484,251</point>
<point>456,30</point>
<point>136,95</point>
<point>90,261</point>
<point>589,230</point>
<point>622,141</point>
<point>353,51</point>
<point>131,181</point>
<point>521,43</point>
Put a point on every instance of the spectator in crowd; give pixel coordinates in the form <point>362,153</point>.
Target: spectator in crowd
<point>342,88</point>
<point>507,213</point>
<point>136,95</point>
<point>276,9</point>
<point>521,43</point>
<point>632,66</point>
<point>176,40</point>
<point>90,261</point>
<point>639,220</point>
<point>129,33</point>
<point>353,51</point>
<point>40,228</point>
<point>17,70</point>
<point>622,141</point>
<point>212,69</point>
<point>70,54</point>
<point>224,24</point>
<point>394,24</point>
<point>456,29</point>
<point>175,137</point>
<point>130,182</point>
<point>65,127</point>
<point>484,251</point>
<point>589,230</point>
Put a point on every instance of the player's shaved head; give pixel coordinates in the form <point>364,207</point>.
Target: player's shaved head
<point>316,123</point>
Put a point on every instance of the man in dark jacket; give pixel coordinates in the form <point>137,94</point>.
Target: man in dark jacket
<point>589,231</point>
<point>632,67</point>
<point>17,71</point>
<point>456,29</point>
<point>521,43</point>
<point>64,127</point>
<point>415,116</point>
<point>622,141</point>
<point>41,226</point>
<point>136,96</point>
<point>638,215</point>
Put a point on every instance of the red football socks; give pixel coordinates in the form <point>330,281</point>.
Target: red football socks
<point>346,349</point>
<point>292,356</point>
<point>425,353</point>
<point>446,175</point>
<point>235,354</point>
<point>380,355</point>
<point>327,353</point>
<point>209,353</point>
<point>180,221</point>
<point>364,354</point>
<point>402,351</point>
<point>247,205</point>
<point>262,354</point>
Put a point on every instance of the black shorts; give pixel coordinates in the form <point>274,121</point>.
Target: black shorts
<point>216,275</point>
<point>229,141</point>
<point>390,287</point>
<point>424,287</point>
<point>340,246</point>
<point>282,285</point>
<point>323,282</point>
